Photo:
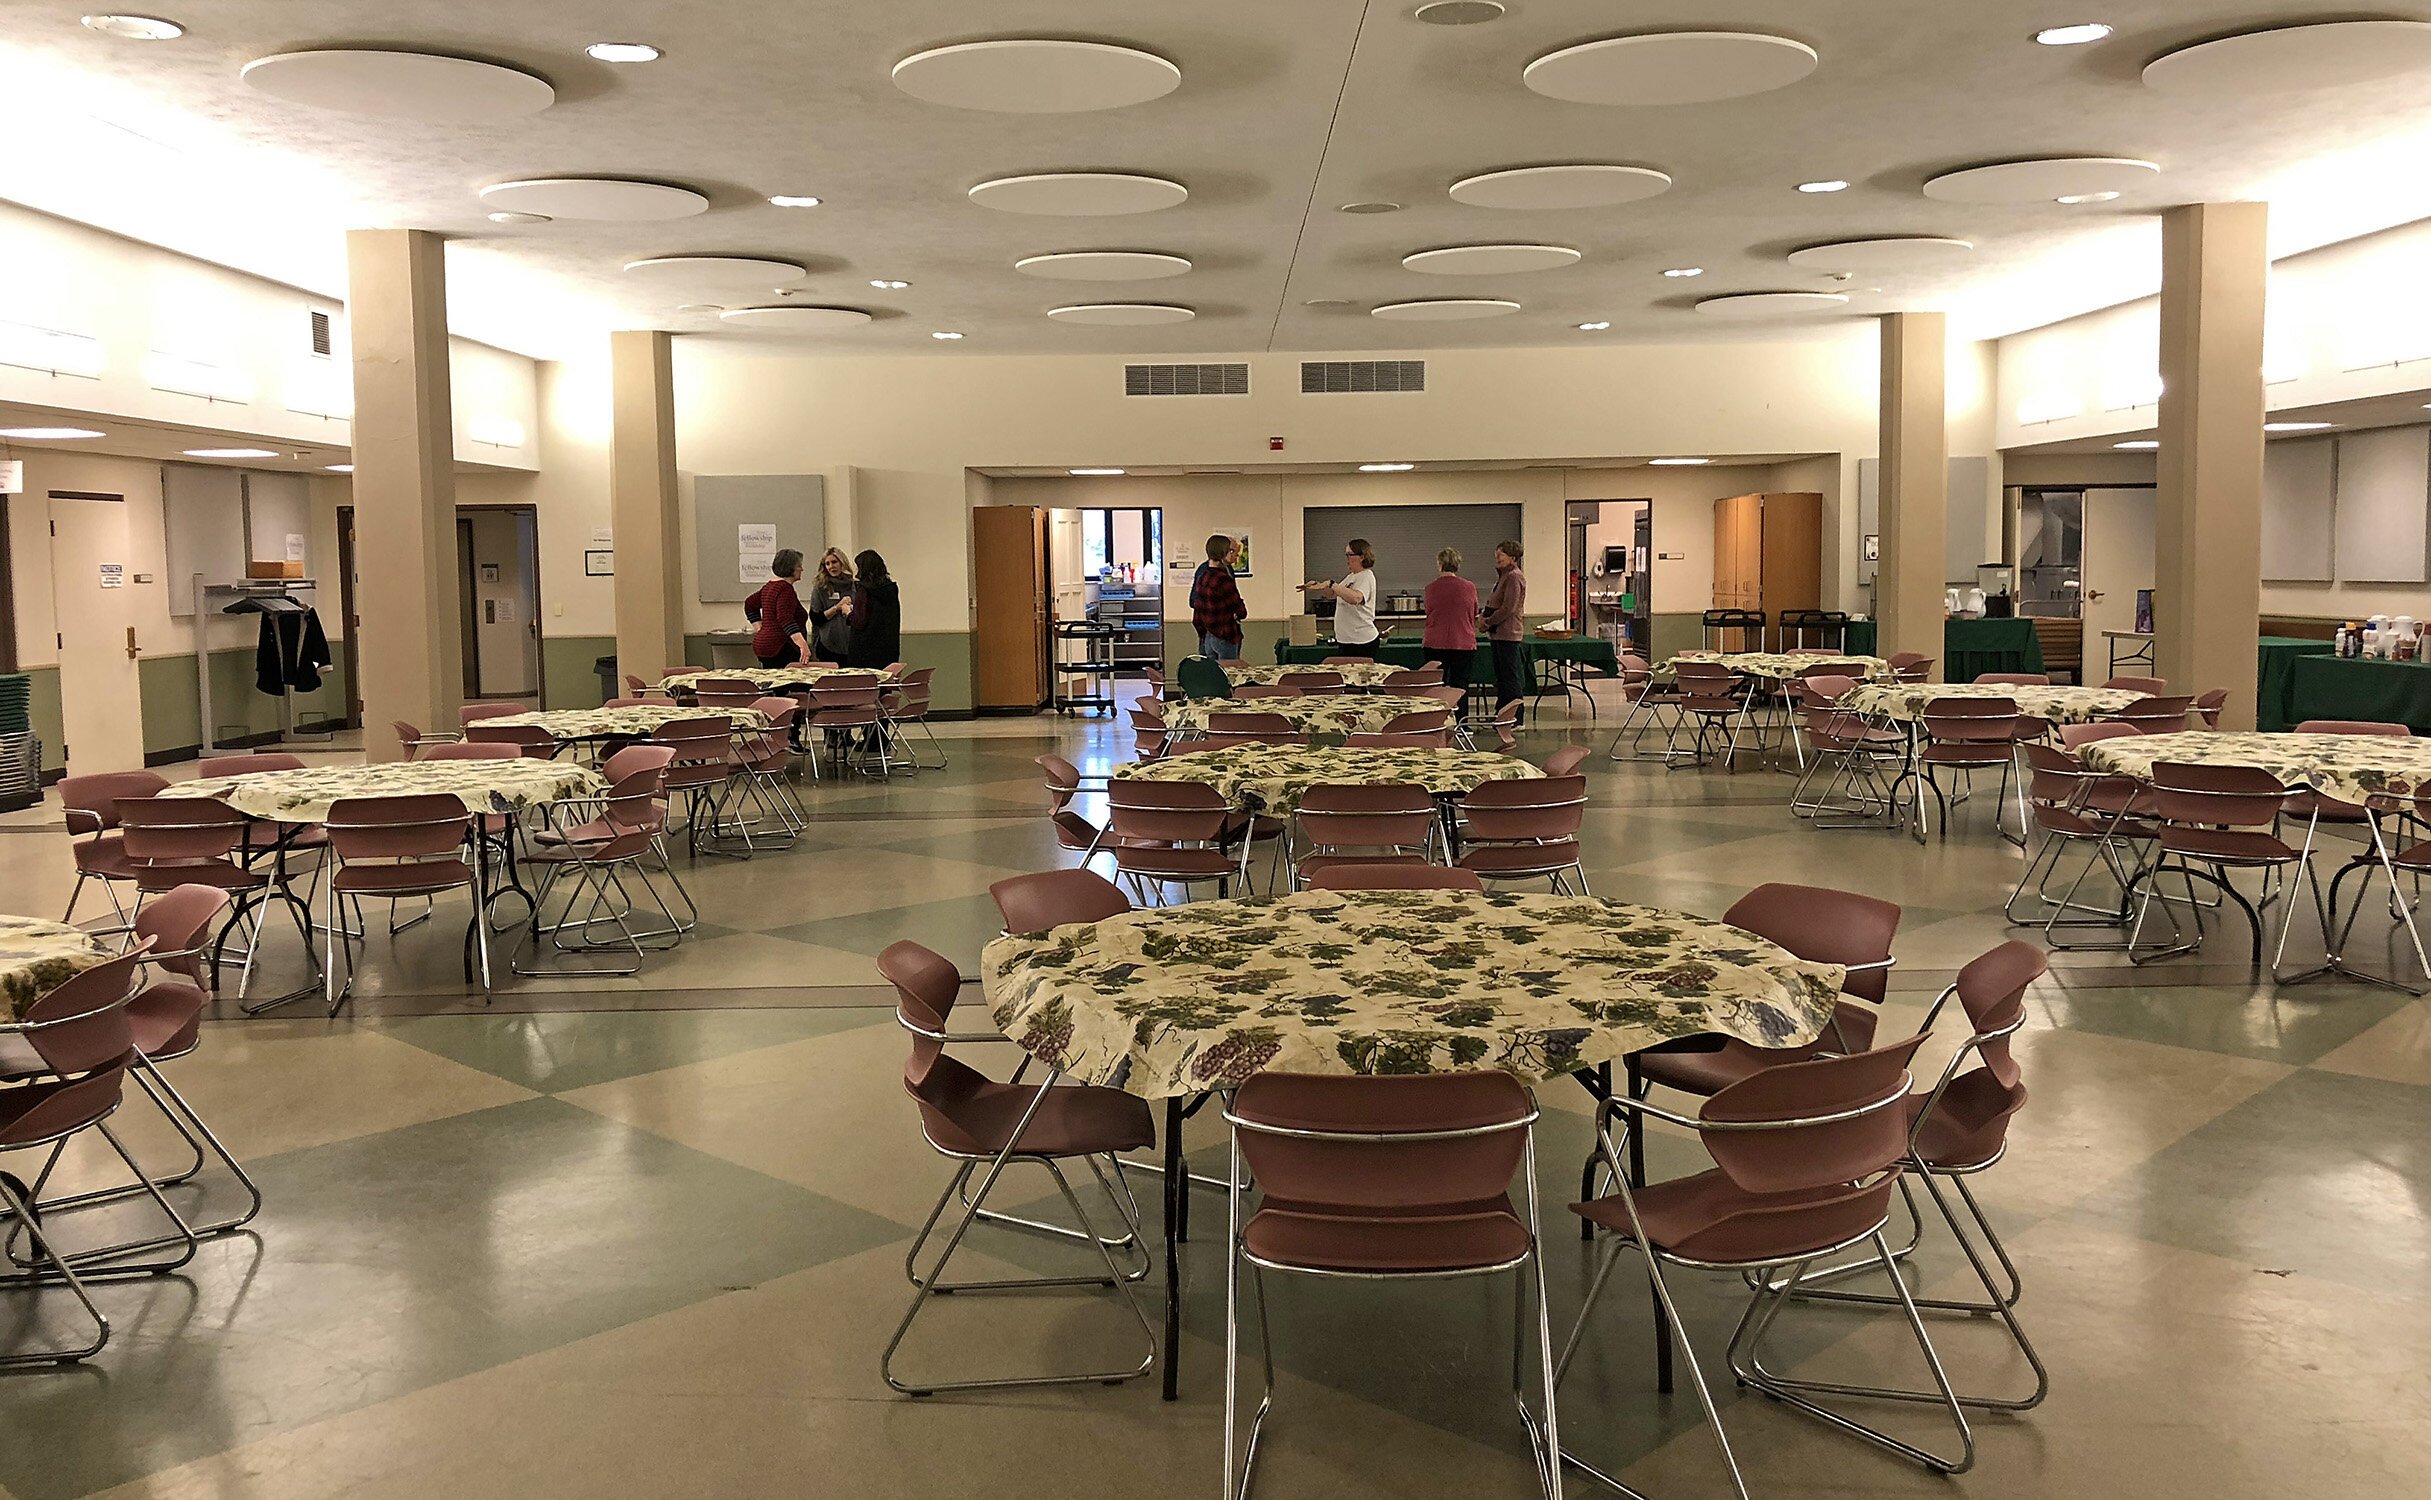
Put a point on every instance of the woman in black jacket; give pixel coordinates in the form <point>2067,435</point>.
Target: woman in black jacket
<point>877,615</point>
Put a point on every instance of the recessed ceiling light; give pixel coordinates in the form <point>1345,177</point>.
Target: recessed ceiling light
<point>505,216</point>
<point>2297,426</point>
<point>136,28</point>
<point>47,434</point>
<point>889,286</point>
<point>1384,468</point>
<point>1369,208</point>
<point>2138,445</point>
<point>1459,12</point>
<point>1829,185</point>
<point>1678,463</point>
<point>944,334</point>
<point>624,52</point>
<point>2073,199</point>
<point>231,453</point>
<point>1593,327</point>
<point>1685,271</point>
<point>701,307</point>
<point>339,468</point>
<point>1327,302</point>
<point>793,200</point>
<point>2072,36</point>
<point>1091,473</point>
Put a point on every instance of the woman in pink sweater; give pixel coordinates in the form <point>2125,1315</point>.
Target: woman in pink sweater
<point>1451,636</point>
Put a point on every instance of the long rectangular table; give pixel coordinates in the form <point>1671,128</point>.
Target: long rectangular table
<point>2275,681</point>
<point>1592,652</point>
<point>2354,687</point>
<point>1969,648</point>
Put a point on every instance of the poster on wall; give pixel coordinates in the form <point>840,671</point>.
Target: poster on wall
<point>1241,554</point>
<point>12,477</point>
<point>599,563</point>
<point>755,545</point>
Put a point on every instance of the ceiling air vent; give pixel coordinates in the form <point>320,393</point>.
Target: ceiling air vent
<point>1185,380</point>
<point>1334,377</point>
<point>320,331</point>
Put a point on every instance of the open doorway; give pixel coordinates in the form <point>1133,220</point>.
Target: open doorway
<point>498,579</point>
<point>1611,570</point>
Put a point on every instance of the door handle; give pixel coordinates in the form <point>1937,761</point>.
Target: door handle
<point>132,652</point>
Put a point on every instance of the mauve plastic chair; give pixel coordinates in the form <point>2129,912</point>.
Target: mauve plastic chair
<point>1413,678</point>
<point>1708,697</point>
<point>1249,690</point>
<point>1645,698</point>
<point>414,740</point>
<point>1432,739</point>
<point>1248,721</point>
<point>1310,682</point>
<point>1057,898</point>
<point>90,807</point>
<point>1967,735</point>
<point>1363,825</point>
<point>1172,833</point>
<point>698,774</point>
<point>1420,721</point>
<point>983,1125</point>
<point>2150,686</point>
<point>1072,831</point>
<point>1805,1160</point>
<point>2073,735</point>
<point>2074,806</point>
<point>1846,750</point>
<point>1526,830</point>
<point>2016,679</point>
<point>2155,715</point>
<point>1359,877</point>
<point>1384,1179</point>
<point>466,750</point>
<point>1569,760</point>
<point>474,713</point>
<point>595,841</point>
<point>252,764</point>
<point>908,704</point>
<point>724,694</point>
<point>530,740</point>
<point>2309,804</point>
<point>67,1056</point>
<point>1908,666</point>
<point>2213,819</point>
<point>2211,705</point>
<point>1505,725</point>
<point>764,757</point>
<point>843,715</point>
<point>174,841</point>
<point>395,848</point>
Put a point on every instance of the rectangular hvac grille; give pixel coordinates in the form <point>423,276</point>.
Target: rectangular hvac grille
<point>1350,376</point>
<point>320,332</point>
<point>1185,380</point>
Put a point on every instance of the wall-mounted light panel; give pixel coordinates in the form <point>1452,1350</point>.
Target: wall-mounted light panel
<point>53,351</point>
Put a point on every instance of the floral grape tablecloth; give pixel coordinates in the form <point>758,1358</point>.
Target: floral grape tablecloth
<point>37,957</point>
<point>1906,701</point>
<point>1777,666</point>
<point>2348,767</point>
<point>1360,674</point>
<point>1179,1000</point>
<point>611,723</point>
<point>1310,713</point>
<point>1270,778</point>
<point>482,785</point>
<point>770,678</point>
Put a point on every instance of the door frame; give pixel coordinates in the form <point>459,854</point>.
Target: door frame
<point>352,624</point>
<point>526,514</point>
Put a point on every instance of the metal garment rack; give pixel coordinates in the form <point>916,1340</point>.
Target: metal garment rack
<point>207,597</point>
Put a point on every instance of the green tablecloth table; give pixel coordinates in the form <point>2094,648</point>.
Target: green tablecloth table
<point>1592,652</point>
<point>1969,648</point>
<point>2333,687</point>
<point>2274,676</point>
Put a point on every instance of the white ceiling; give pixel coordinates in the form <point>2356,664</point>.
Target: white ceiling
<point>1286,109</point>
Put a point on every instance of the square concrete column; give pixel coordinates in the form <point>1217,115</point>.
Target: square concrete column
<point>1915,486</point>
<point>2207,579</point>
<point>409,647</point>
<point>641,491</point>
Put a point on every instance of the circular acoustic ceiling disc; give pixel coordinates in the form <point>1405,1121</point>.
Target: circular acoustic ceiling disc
<point>2327,54</point>
<point>2044,181</point>
<point>612,199</point>
<point>1122,314</point>
<point>1671,67</point>
<point>1571,185</point>
<point>1036,76</point>
<point>716,272</point>
<point>1079,195</point>
<point>1489,260</point>
<point>425,86</point>
<point>1752,305</point>
<point>1894,254</point>
<point>1443,310</point>
<point>795,319</point>
<point>1103,265</point>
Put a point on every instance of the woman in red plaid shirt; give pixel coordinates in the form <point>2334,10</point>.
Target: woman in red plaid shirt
<point>1216,610</point>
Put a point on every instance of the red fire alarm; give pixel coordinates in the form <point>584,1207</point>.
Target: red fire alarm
<point>1274,445</point>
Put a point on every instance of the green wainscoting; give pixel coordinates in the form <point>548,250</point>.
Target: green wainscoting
<point>48,725</point>
<point>172,711</point>
<point>1674,634</point>
<point>569,663</point>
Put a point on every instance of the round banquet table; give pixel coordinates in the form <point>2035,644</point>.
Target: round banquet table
<point>306,796</point>
<point>1310,713</point>
<point>635,722</point>
<point>810,674</point>
<point>2348,767</point>
<point>1269,779</point>
<point>1355,674</point>
<point>37,957</point>
<point>1779,666</point>
<point>1905,702</point>
<point>1177,1001</point>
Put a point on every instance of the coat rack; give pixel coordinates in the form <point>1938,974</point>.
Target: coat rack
<point>270,596</point>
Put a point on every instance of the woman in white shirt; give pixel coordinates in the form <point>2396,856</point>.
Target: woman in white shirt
<point>1354,600</point>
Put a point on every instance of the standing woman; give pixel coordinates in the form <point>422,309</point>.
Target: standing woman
<point>877,616</point>
<point>777,608</point>
<point>1451,638</point>
<point>831,599</point>
<point>1354,599</point>
<point>1505,629</point>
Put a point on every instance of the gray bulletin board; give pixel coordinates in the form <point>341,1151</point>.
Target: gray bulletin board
<point>724,504</point>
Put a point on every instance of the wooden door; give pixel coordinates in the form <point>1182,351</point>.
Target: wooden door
<point>100,692</point>
<point>1009,651</point>
<point>1791,547</point>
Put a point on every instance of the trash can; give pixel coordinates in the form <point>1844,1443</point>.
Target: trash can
<point>606,667</point>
